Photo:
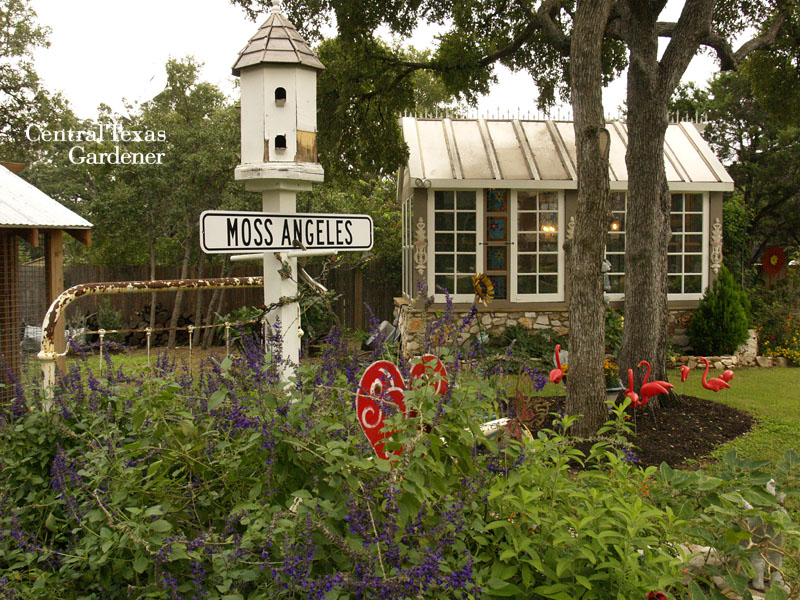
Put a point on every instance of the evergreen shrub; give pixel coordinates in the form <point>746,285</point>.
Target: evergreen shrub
<point>721,322</point>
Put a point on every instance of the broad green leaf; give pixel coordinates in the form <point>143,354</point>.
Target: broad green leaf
<point>140,564</point>
<point>160,526</point>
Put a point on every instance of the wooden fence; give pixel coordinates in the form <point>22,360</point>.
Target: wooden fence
<point>373,285</point>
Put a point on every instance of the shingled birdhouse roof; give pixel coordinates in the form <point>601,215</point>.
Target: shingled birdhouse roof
<point>276,41</point>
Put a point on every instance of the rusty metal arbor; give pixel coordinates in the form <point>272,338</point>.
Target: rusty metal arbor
<point>49,353</point>
<point>28,218</point>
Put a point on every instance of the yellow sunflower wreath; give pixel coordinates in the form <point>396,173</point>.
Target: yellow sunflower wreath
<point>484,289</point>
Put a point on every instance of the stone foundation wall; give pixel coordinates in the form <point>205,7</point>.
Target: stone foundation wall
<point>413,323</point>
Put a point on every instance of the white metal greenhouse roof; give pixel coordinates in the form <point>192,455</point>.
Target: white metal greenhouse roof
<point>541,154</point>
<point>24,205</point>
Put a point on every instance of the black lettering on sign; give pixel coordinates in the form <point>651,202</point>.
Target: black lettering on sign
<point>298,231</point>
<point>267,224</point>
<point>232,232</point>
<point>285,239</point>
<point>338,232</point>
<point>328,241</point>
<point>320,222</point>
<point>259,237</point>
<point>309,233</point>
<point>347,225</point>
<point>247,233</point>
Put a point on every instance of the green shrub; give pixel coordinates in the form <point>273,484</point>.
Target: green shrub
<point>233,486</point>
<point>109,318</point>
<point>720,324</point>
<point>529,343</point>
<point>613,330</point>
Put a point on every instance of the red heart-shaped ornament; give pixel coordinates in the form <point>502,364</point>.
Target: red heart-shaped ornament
<point>381,384</point>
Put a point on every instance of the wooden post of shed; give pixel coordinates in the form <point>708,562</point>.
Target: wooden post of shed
<point>9,320</point>
<point>54,274</point>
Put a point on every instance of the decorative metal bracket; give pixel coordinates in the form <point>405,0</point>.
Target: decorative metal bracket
<point>716,245</point>
<point>571,228</point>
<point>421,248</point>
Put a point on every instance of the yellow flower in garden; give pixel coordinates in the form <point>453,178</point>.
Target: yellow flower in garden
<point>484,288</point>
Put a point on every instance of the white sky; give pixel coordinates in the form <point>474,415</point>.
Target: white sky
<point>107,50</point>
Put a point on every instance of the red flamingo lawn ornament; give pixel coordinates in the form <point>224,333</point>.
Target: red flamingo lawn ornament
<point>629,393</point>
<point>664,384</point>
<point>715,384</point>
<point>556,374</point>
<point>727,375</point>
<point>685,370</point>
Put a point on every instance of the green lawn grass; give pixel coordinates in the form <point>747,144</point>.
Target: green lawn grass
<point>772,396</point>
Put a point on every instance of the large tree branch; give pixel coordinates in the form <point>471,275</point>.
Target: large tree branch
<point>693,25</point>
<point>542,20</point>
<point>728,58</point>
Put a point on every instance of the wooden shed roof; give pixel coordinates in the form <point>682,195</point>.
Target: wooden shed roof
<point>23,205</point>
<point>527,154</point>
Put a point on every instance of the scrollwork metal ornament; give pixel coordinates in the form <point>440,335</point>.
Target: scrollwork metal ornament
<point>421,248</point>
<point>571,228</point>
<point>716,245</point>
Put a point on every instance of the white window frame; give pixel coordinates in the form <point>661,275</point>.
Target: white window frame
<point>479,243</point>
<point>706,217</point>
<point>514,295</point>
<point>619,295</point>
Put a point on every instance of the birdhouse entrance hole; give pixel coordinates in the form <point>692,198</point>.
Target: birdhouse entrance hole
<point>280,142</point>
<point>280,96</point>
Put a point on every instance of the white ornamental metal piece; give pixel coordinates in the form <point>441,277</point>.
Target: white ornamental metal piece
<point>716,245</point>
<point>421,248</point>
<point>571,228</point>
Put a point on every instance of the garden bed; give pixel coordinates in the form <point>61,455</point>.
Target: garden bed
<point>685,431</point>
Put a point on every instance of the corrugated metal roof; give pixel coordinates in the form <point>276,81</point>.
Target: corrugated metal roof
<point>276,41</point>
<point>25,205</point>
<point>541,154</point>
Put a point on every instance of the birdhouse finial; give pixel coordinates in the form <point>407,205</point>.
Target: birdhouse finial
<point>276,7</point>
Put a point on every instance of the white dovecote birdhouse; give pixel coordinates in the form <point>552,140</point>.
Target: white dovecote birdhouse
<point>278,77</point>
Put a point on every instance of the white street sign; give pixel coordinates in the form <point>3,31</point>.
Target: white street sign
<point>223,232</point>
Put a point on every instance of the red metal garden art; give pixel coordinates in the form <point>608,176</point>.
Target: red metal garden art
<point>382,387</point>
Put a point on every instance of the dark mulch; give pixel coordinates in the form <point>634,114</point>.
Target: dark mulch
<point>685,428</point>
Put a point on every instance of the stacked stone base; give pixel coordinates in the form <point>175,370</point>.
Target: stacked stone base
<point>413,322</point>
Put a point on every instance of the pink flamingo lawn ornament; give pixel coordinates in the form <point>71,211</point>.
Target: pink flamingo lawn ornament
<point>715,384</point>
<point>664,384</point>
<point>556,374</point>
<point>652,388</point>
<point>685,370</point>
<point>629,393</point>
<point>726,376</point>
<point>634,397</point>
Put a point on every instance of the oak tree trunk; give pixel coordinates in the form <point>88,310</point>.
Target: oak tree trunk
<point>651,83</point>
<point>586,389</point>
<point>647,222</point>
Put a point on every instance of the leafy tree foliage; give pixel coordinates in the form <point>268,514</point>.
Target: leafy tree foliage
<point>23,99</point>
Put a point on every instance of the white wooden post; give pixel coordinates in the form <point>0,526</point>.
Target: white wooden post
<point>278,76</point>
